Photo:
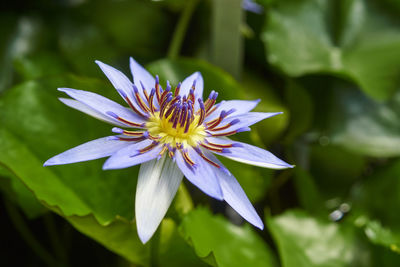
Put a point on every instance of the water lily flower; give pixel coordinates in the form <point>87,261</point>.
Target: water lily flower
<point>171,133</point>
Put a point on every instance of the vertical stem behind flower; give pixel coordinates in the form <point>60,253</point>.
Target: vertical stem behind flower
<point>227,41</point>
<point>181,28</point>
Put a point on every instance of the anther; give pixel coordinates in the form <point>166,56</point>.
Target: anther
<point>115,116</point>
<point>148,148</point>
<point>144,91</point>
<point>153,91</point>
<point>157,86</point>
<point>164,104</point>
<point>198,150</point>
<point>167,91</point>
<point>243,129</point>
<point>223,145</point>
<point>215,149</point>
<point>182,118</point>
<point>117,130</point>
<point>177,89</point>
<point>175,99</point>
<point>202,112</point>
<point>226,126</point>
<point>123,94</point>
<point>188,120</point>
<point>170,109</point>
<point>139,100</point>
<point>187,158</point>
<point>191,95</point>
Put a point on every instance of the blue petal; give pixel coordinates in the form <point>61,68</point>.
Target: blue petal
<point>237,199</point>
<point>102,104</point>
<point>118,80</point>
<point>141,75</point>
<point>95,149</point>
<point>203,175</point>
<point>187,85</point>
<point>245,120</point>
<point>240,106</point>
<point>130,156</point>
<point>234,195</point>
<point>249,154</point>
<point>88,110</point>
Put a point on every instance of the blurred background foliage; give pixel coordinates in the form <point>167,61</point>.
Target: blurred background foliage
<point>333,67</point>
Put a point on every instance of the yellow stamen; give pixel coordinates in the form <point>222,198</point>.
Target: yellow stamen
<point>163,128</point>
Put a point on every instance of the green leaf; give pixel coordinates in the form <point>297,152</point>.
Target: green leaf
<point>363,125</point>
<point>39,65</point>
<point>379,234</point>
<point>348,167</point>
<point>222,243</point>
<point>45,127</point>
<point>307,191</point>
<point>301,110</point>
<point>81,45</point>
<point>385,184</point>
<point>20,36</point>
<point>307,241</point>
<point>257,88</point>
<point>124,23</point>
<point>347,38</point>
<point>19,194</point>
<point>120,236</point>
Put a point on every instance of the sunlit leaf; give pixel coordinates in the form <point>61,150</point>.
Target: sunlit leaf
<point>222,243</point>
<point>307,241</point>
<point>378,234</point>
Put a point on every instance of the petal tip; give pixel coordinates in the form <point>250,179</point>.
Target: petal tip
<point>98,62</point>
<point>144,237</point>
<point>259,225</point>
<point>50,162</point>
<point>47,163</point>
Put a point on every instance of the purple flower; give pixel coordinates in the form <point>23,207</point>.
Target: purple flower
<point>171,133</point>
<point>252,6</point>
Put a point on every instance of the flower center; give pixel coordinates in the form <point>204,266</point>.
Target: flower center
<point>175,130</point>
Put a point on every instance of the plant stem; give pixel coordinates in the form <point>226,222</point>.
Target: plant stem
<point>27,235</point>
<point>181,28</point>
<point>226,37</point>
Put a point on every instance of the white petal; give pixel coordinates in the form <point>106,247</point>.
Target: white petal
<point>157,185</point>
<point>88,110</point>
